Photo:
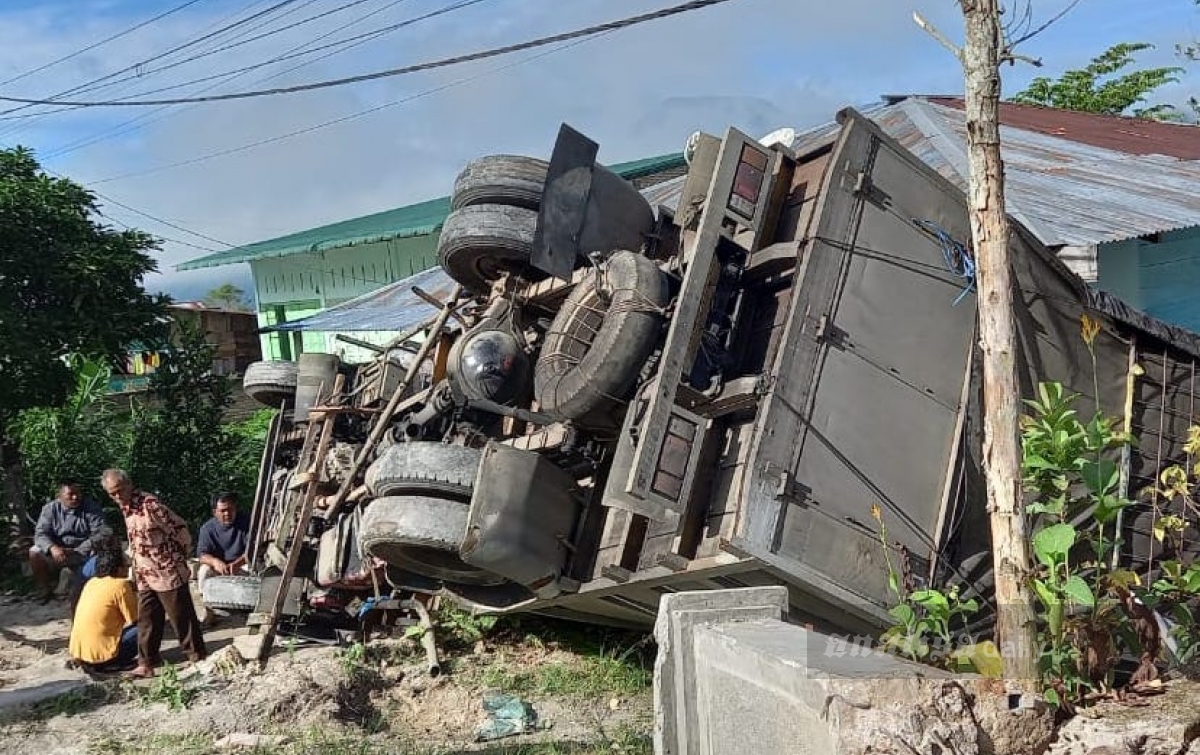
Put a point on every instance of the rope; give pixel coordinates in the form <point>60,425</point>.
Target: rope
<point>958,258</point>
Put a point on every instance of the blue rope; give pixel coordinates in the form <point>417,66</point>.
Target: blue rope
<point>958,258</point>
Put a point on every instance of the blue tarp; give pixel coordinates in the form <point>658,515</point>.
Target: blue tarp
<point>392,308</point>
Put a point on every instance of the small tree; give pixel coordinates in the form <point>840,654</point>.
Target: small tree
<point>180,449</point>
<point>68,286</point>
<point>1097,89</point>
<point>227,296</point>
<point>74,441</point>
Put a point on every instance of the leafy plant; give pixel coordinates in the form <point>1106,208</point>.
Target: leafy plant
<point>464,627</point>
<point>168,688</point>
<point>923,620</point>
<point>353,658</point>
<point>180,448</point>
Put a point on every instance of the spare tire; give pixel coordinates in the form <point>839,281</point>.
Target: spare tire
<point>481,242</point>
<point>270,383</point>
<point>501,179</point>
<point>423,467</point>
<point>234,592</point>
<point>600,339</point>
<point>421,534</point>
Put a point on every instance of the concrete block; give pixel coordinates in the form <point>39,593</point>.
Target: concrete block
<point>737,679</point>
<point>679,614</point>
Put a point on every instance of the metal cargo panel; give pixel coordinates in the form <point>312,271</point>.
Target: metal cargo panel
<point>869,390</point>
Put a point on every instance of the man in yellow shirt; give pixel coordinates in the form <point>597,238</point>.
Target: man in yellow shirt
<point>104,633</point>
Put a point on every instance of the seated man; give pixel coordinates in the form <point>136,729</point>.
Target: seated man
<point>221,543</point>
<point>63,538</point>
<point>104,634</point>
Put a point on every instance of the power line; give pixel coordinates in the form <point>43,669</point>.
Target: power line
<point>140,74</point>
<point>167,223</point>
<point>342,119</point>
<point>52,100</point>
<point>145,119</point>
<point>101,43</point>
<point>444,62</point>
<point>291,54</point>
<point>213,31</point>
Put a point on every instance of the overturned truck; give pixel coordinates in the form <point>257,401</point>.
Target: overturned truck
<point>622,400</point>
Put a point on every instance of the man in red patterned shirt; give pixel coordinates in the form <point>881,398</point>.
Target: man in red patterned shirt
<point>160,544</point>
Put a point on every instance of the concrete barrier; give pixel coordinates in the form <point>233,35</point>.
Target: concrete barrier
<point>732,677</point>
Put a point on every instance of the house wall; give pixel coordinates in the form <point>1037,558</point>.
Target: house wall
<point>293,287</point>
<point>1158,276</point>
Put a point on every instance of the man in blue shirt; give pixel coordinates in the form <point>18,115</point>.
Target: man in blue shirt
<point>66,533</point>
<point>221,544</point>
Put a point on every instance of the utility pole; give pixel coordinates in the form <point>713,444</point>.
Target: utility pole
<point>1016,629</point>
<point>981,55</point>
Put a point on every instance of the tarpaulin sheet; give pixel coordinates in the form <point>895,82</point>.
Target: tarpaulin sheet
<point>393,307</point>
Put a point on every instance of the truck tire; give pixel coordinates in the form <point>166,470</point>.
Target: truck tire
<point>500,179</point>
<point>270,383</point>
<point>421,534</point>
<point>480,242</point>
<point>600,339</point>
<point>424,467</point>
<point>234,592</point>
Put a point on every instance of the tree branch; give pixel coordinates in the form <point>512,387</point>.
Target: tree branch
<point>941,39</point>
<point>1042,28</point>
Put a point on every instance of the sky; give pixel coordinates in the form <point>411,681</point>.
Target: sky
<point>205,177</point>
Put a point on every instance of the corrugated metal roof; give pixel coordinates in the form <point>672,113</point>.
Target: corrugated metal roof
<point>393,307</point>
<point>1135,136</point>
<point>1066,192</point>
<point>402,222</point>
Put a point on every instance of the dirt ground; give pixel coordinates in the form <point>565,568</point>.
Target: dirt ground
<point>307,698</point>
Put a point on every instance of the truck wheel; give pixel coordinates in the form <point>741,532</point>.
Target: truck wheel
<point>600,339</point>
<point>500,179</point>
<point>270,383</point>
<point>237,593</point>
<point>480,242</point>
<point>424,467</point>
<point>421,534</point>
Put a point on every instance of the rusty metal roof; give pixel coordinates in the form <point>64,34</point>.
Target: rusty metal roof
<point>1135,136</point>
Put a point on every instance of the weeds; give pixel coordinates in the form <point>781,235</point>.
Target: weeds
<point>176,744</point>
<point>592,676</point>
<point>463,628</point>
<point>168,688</point>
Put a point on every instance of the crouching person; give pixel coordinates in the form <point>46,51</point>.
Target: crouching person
<point>221,544</point>
<point>104,634</point>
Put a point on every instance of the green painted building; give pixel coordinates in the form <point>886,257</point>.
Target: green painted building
<point>303,273</point>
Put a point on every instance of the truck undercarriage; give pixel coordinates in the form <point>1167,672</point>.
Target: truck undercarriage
<point>622,401</point>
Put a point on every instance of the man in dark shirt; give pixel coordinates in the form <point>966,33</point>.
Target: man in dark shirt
<point>221,544</point>
<point>66,532</point>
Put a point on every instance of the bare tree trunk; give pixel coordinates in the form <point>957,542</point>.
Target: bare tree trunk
<point>1015,624</point>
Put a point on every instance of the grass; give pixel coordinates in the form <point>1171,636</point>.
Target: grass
<point>175,744</point>
<point>589,676</point>
<point>73,703</point>
<point>320,742</point>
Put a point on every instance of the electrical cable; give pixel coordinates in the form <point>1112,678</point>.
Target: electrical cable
<point>335,121</point>
<point>389,73</point>
<point>141,74</point>
<point>291,54</point>
<point>145,119</point>
<point>100,43</point>
<point>53,99</point>
<point>217,29</point>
